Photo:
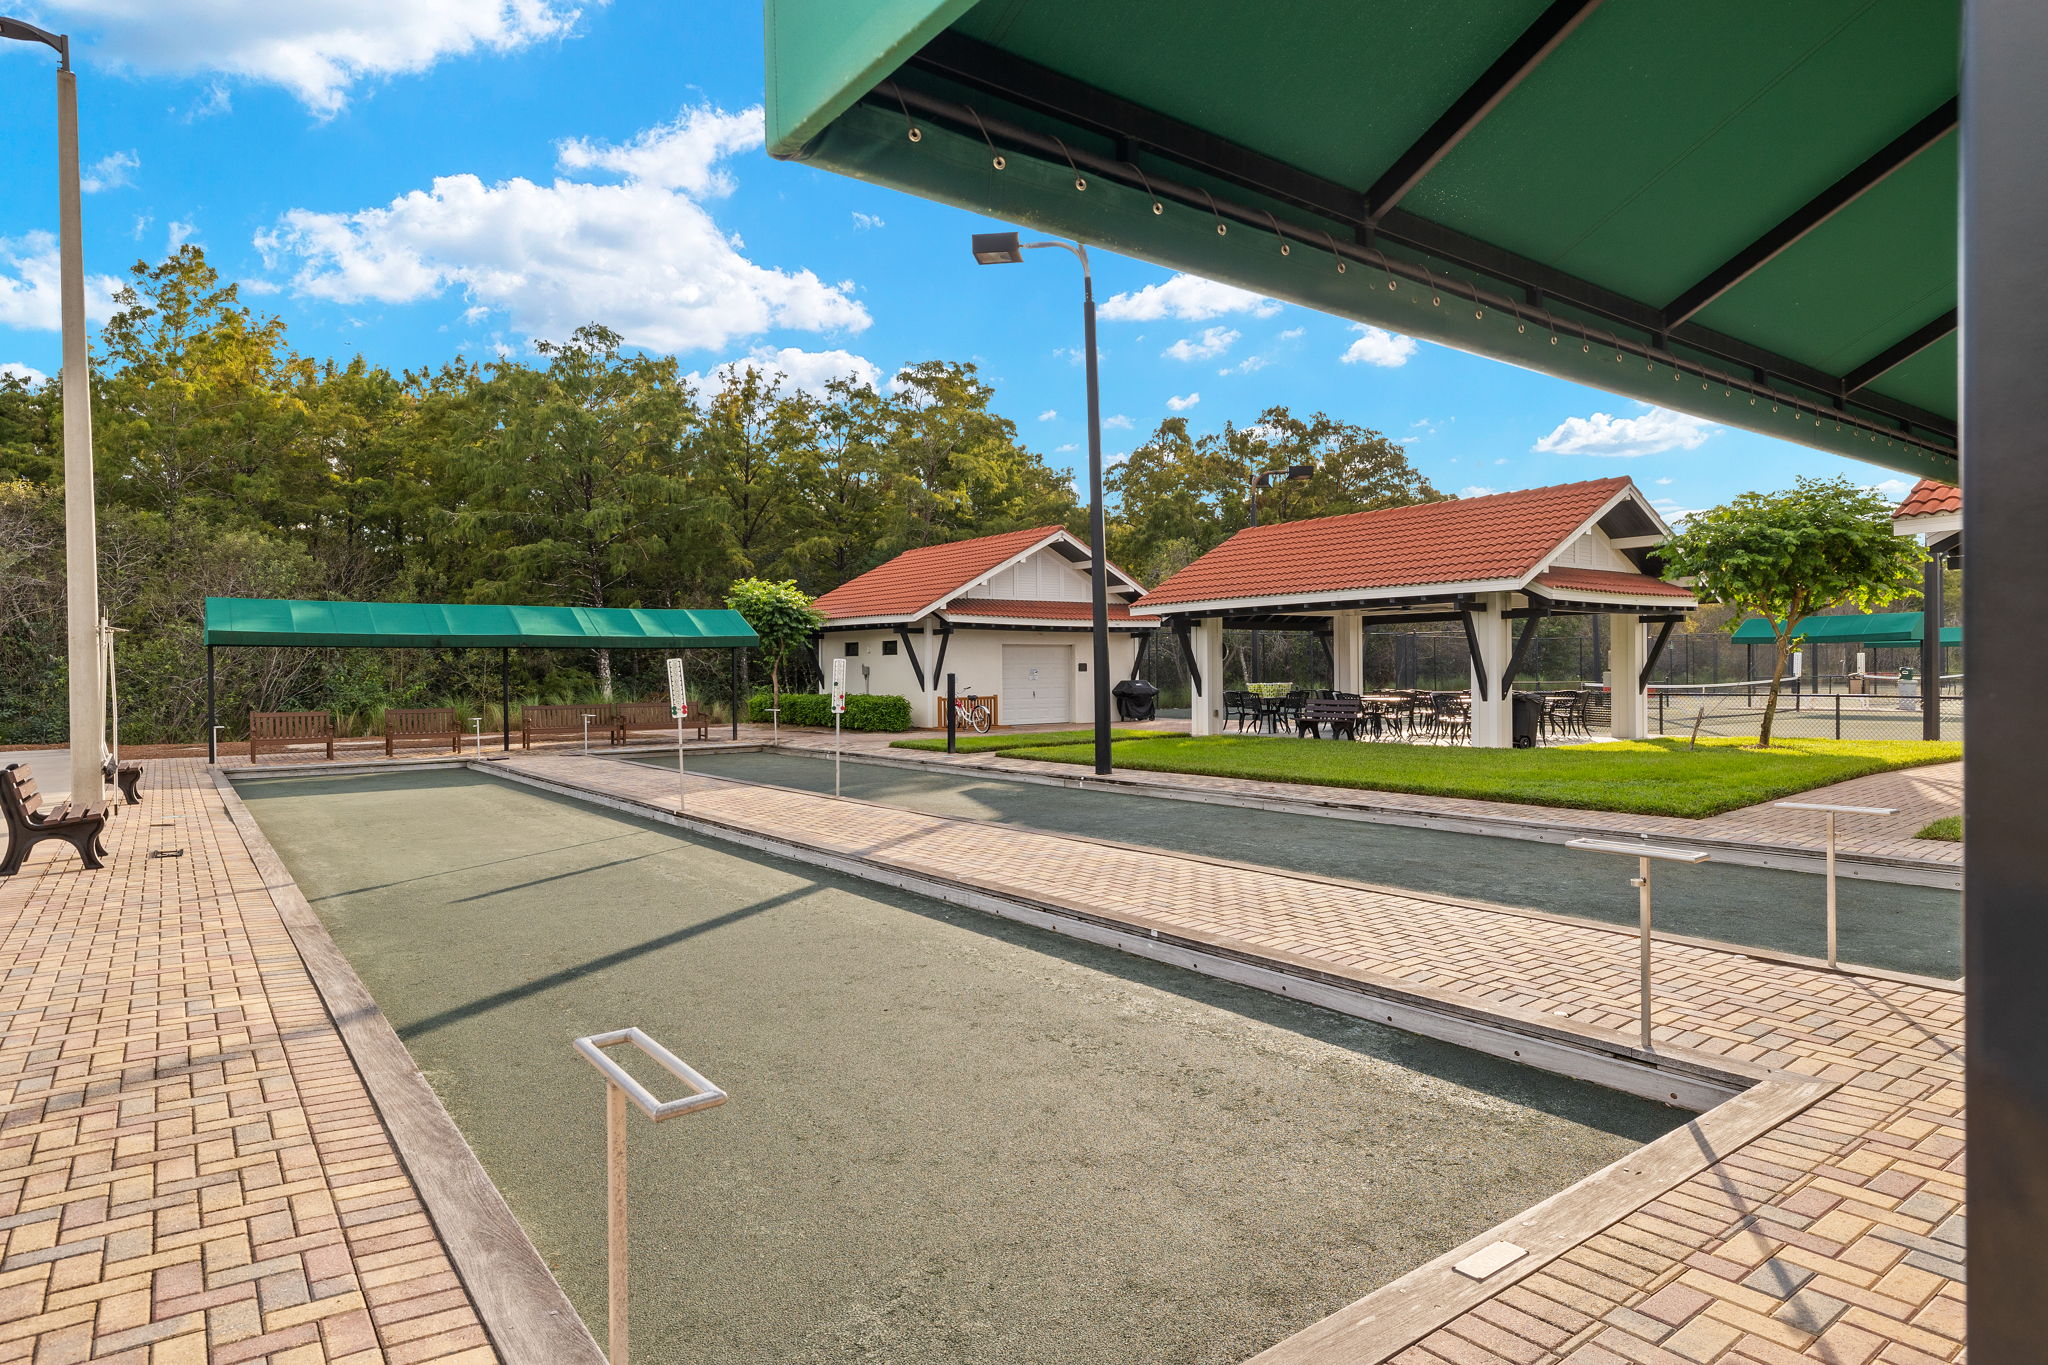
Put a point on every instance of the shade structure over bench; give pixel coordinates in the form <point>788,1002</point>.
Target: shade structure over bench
<point>438,625</point>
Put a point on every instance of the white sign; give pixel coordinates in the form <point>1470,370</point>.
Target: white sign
<point>678,701</point>
<point>838,686</point>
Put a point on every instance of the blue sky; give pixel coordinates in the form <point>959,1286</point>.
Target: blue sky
<point>412,181</point>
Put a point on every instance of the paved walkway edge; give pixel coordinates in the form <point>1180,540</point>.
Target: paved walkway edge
<point>529,1319</point>
<point>1907,871</point>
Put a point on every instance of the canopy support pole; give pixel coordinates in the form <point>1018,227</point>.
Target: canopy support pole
<point>505,698</point>
<point>737,699</point>
<point>212,731</point>
<point>2004,277</point>
<point>1930,648</point>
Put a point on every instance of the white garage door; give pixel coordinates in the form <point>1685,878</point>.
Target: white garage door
<point>1038,685</point>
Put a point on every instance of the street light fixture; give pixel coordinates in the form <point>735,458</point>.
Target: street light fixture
<point>1266,479</point>
<point>1004,248</point>
<point>86,686</point>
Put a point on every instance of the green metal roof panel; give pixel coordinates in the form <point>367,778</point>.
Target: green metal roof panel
<point>432,625</point>
<point>1875,628</point>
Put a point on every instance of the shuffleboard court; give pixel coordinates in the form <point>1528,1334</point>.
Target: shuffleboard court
<point>951,1138</point>
<point>1900,928</point>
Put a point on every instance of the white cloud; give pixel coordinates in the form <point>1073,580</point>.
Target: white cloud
<point>1067,449</point>
<point>1182,404</point>
<point>1377,346</point>
<point>1652,431</point>
<point>176,235</point>
<point>1213,341</point>
<point>216,100</point>
<point>1111,461</point>
<point>1251,364</point>
<point>866,221</point>
<point>1050,414</point>
<point>320,51</point>
<point>27,374</point>
<point>642,256</point>
<point>1119,422</point>
<point>808,371</point>
<point>1893,489</point>
<point>28,284</point>
<point>1292,333</point>
<point>1476,490</point>
<point>1189,298</point>
<point>1664,482</point>
<point>110,172</point>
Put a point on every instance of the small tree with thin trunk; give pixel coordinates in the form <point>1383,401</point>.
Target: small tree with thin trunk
<point>782,615</point>
<point>1785,556</point>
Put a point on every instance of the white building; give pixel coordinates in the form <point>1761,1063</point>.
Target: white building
<point>1007,615</point>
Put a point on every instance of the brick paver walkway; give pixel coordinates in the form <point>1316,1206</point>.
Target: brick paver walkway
<point>190,1168</point>
<point>1834,1237</point>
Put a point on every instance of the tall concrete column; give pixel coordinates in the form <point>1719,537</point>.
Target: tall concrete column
<point>1627,651</point>
<point>934,685</point>
<point>1492,727</point>
<point>1205,641</point>
<point>86,684</point>
<point>1347,651</point>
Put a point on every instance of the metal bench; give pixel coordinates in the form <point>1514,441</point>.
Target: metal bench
<point>28,824</point>
<point>284,728</point>
<point>422,722</point>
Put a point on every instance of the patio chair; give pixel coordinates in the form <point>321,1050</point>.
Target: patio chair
<point>1241,705</point>
<point>1286,711</point>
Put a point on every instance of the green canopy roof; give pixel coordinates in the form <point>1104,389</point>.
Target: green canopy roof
<point>368,625</point>
<point>1876,628</point>
<point>1745,211</point>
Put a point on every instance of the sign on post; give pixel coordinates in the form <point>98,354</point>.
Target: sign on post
<point>838,709</point>
<point>679,707</point>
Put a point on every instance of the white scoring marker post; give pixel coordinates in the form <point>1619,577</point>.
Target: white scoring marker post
<point>1644,854</point>
<point>838,710</point>
<point>679,707</point>
<point>1832,812</point>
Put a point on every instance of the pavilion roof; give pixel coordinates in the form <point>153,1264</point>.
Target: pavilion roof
<point>1930,498</point>
<point>921,580</point>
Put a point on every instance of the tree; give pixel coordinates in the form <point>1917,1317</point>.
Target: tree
<point>1786,556</point>
<point>782,615</point>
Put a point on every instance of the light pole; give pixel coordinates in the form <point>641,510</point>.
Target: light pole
<point>86,690</point>
<point>1003,248</point>
<point>1266,479</point>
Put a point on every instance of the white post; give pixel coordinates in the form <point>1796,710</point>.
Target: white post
<point>616,1243</point>
<point>1831,890</point>
<point>113,700</point>
<point>587,718</point>
<point>1832,812</point>
<point>1492,721</point>
<point>86,692</point>
<point>1347,652</point>
<point>1629,702</point>
<point>1643,938</point>
<point>679,707</point>
<point>838,708</point>
<point>1643,854</point>
<point>478,722</point>
<point>1205,641</point>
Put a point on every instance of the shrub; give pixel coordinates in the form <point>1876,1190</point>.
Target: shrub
<point>863,711</point>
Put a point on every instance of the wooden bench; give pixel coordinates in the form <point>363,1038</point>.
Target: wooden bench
<point>287,727</point>
<point>547,722</point>
<point>631,716</point>
<point>28,824</point>
<point>1341,716</point>
<point>422,722</point>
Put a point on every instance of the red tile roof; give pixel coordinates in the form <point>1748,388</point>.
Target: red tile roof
<point>1610,581</point>
<point>1930,498</point>
<point>1033,610</point>
<point>915,579</point>
<point>1503,535</point>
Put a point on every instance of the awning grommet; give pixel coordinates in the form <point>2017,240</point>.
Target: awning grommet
<point>1285,249</point>
<point>1157,207</point>
<point>1333,252</point>
<point>1080,181</point>
<point>1222,228</point>
<point>995,157</point>
<point>916,133</point>
<point>1479,313</point>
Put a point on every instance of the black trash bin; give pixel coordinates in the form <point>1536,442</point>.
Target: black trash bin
<point>1528,712</point>
<point>1136,699</point>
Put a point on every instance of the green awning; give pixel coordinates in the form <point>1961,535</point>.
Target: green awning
<point>1882,629</point>
<point>435,625</point>
<point>1743,211</point>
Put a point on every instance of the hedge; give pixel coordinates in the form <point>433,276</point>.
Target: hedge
<point>864,711</point>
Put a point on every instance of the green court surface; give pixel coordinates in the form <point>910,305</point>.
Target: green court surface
<point>1901,928</point>
<point>950,1138</point>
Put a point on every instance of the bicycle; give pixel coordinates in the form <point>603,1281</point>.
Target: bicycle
<point>972,713</point>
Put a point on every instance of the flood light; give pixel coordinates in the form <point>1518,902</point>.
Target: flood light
<point>997,248</point>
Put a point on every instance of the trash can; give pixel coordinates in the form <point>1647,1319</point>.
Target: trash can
<point>1136,699</point>
<point>1528,716</point>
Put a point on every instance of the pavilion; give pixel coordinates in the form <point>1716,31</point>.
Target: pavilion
<point>1499,565</point>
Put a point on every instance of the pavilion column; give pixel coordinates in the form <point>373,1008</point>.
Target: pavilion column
<point>1627,651</point>
<point>934,685</point>
<point>1492,726</point>
<point>1347,651</point>
<point>1205,641</point>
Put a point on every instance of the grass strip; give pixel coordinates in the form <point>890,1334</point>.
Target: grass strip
<point>1033,739</point>
<point>1949,829</point>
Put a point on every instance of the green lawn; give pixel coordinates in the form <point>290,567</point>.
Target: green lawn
<point>981,744</point>
<point>1948,828</point>
<point>1647,777</point>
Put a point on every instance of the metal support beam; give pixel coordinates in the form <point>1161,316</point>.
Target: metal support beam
<point>1187,649</point>
<point>1899,352</point>
<point>505,699</point>
<point>1537,42</point>
<point>1478,659</point>
<point>1137,656</point>
<point>738,701</point>
<point>903,634</point>
<point>939,658</point>
<point>1930,649</point>
<point>212,728</point>
<point>1813,213</point>
<point>2005,935</point>
<point>1656,653</point>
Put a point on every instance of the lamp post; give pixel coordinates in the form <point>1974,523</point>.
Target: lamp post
<point>1266,479</point>
<point>1004,248</point>
<point>86,691</point>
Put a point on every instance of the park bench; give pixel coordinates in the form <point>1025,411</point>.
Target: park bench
<point>129,777</point>
<point>283,728</point>
<point>547,722</point>
<point>1341,716</point>
<point>631,716</point>
<point>422,722</point>
<point>28,824</point>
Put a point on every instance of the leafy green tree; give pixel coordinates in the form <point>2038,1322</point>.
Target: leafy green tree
<point>782,615</point>
<point>1788,555</point>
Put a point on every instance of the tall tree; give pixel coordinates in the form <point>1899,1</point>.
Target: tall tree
<point>782,615</point>
<point>1786,556</point>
